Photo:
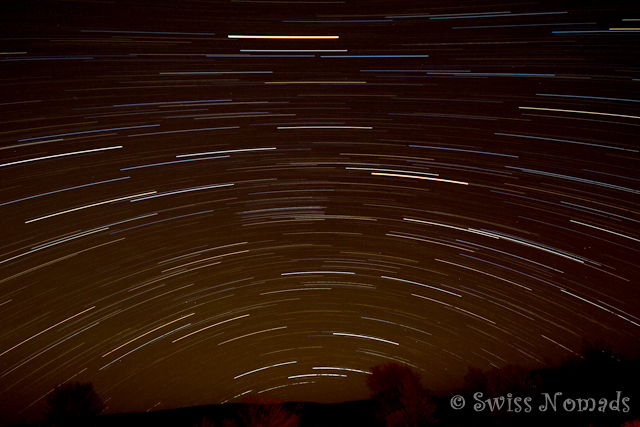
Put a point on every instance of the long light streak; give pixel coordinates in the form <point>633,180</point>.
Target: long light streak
<point>48,329</point>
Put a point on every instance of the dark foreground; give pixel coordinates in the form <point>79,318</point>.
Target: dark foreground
<point>577,392</point>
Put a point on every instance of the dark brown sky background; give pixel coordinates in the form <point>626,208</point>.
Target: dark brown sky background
<point>191,214</point>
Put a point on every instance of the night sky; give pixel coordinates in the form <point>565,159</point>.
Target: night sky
<point>207,200</point>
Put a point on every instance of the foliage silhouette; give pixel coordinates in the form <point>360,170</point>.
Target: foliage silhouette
<point>72,400</point>
<point>401,400</point>
<point>258,412</point>
<point>513,379</point>
<point>475,381</point>
<point>594,354</point>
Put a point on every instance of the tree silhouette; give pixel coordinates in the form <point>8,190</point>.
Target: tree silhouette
<point>72,400</point>
<point>401,400</point>
<point>266,413</point>
<point>513,379</point>
<point>594,354</point>
<point>475,381</point>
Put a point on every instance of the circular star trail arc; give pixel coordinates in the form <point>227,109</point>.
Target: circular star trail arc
<point>202,202</point>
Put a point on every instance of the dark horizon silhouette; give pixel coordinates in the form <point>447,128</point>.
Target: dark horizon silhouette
<point>507,396</point>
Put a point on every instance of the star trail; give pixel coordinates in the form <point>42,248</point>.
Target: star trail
<point>202,201</point>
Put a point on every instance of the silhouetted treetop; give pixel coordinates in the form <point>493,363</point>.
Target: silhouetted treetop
<point>594,354</point>
<point>400,397</point>
<point>72,400</point>
<point>265,412</point>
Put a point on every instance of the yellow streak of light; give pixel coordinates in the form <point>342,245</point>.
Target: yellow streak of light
<point>419,177</point>
<point>313,311</point>
<point>434,300</point>
<point>52,262</point>
<point>430,241</point>
<point>48,329</point>
<point>89,206</point>
<point>210,326</point>
<point>600,307</point>
<point>452,226</point>
<point>43,127</point>
<point>205,259</point>
<point>282,37</point>
<point>605,230</point>
<point>376,255</point>
<point>579,112</point>
<point>558,344</point>
<point>253,333</point>
<point>350,95</point>
<point>457,308</point>
<point>484,272</point>
<point>385,155</point>
<point>315,82</point>
<point>147,333</point>
<point>606,272</point>
<point>89,136</point>
<point>476,315</point>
